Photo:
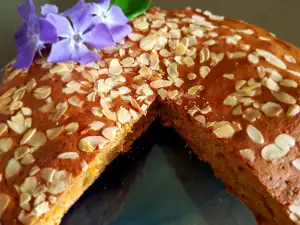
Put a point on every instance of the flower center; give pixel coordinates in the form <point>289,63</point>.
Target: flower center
<point>77,38</point>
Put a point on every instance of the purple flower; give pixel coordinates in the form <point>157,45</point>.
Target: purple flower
<point>48,8</point>
<point>32,36</point>
<point>77,36</point>
<point>113,17</point>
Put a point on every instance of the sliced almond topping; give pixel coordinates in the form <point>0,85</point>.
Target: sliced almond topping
<point>284,97</point>
<point>6,144</point>
<point>172,70</point>
<point>271,109</point>
<point>285,141</point>
<point>272,85</point>
<point>251,114</point>
<point>194,90</point>
<point>135,36</point>
<point>188,61</point>
<point>225,131</point>
<point>296,163</point>
<point>191,76</point>
<point>21,152</point>
<point>8,93</point>
<point>17,123</point>
<point>248,154</point>
<point>34,170</point>
<point>15,105</point>
<point>39,199</point>
<point>230,100</point>
<point>239,84</point>
<point>110,132</point>
<point>204,55</point>
<point>42,92</point>
<point>4,202</point>
<point>148,42</point>
<point>5,102</point>
<point>228,76</point>
<point>253,59</point>
<point>237,111</point>
<point>97,125</point>
<point>290,59</point>
<point>24,199</point>
<point>26,111</point>
<point>72,127</point>
<point>27,136</point>
<point>109,114</point>
<point>41,209</point>
<point>3,128</point>
<point>160,84</point>
<point>200,119</point>
<point>75,101</point>
<point>28,159</point>
<point>204,71</point>
<point>123,115</point>
<point>38,139</point>
<point>13,168</point>
<point>47,174</point>
<point>272,151</point>
<point>68,155</point>
<point>271,58</point>
<point>60,182</point>
<point>180,49</point>
<point>295,209</point>
<point>84,165</point>
<point>293,110</point>
<point>115,67</point>
<point>88,144</point>
<point>54,133</point>
<point>61,108</point>
<point>289,83</point>
<point>255,134</point>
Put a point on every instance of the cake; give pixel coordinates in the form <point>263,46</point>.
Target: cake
<point>230,89</point>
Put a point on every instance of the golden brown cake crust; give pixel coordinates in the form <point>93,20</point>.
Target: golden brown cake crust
<point>237,82</point>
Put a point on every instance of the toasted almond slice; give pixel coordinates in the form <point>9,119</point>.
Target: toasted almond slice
<point>271,58</point>
<point>148,42</point>
<point>123,115</point>
<point>194,90</point>
<point>272,152</point>
<point>6,144</point>
<point>289,83</point>
<point>230,101</point>
<point>97,125</point>
<point>160,84</point>
<point>255,134</point>
<point>47,174</point>
<point>88,144</point>
<point>293,110</point>
<point>204,71</point>
<point>271,109</point>
<point>253,58</point>
<point>225,131</point>
<point>3,128</point>
<point>72,127</point>
<point>284,97</point>
<point>8,93</point>
<point>27,136</point>
<point>24,198</point>
<point>68,155</point>
<point>27,159</point>
<point>296,163</point>
<point>110,132</point>
<point>285,141</point>
<point>21,152</point>
<point>38,139</point>
<point>13,168</point>
<point>60,182</point>
<point>54,133</point>
<point>115,67</point>
<point>4,202</point>
<point>248,154</point>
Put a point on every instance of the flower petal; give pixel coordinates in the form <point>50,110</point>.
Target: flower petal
<point>119,32</point>
<point>62,24</point>
<point>26,9</point>
<point>83,55</point>
<point>115,16</point>
<point>21,36</point>
<point>100,7</point>
<point>99,37</point>
<point>48,32</point>
<point>79,4</point>
<point>26,54</point>
<point>61,51</point>
<point>48,8</point>
<point>81,19</point>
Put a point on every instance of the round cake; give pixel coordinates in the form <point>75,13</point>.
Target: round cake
<point>230,89</point>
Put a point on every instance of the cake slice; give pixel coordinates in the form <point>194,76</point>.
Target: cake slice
<point>229,88</point>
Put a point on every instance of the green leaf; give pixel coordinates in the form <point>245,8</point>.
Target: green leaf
<point>132,8</point>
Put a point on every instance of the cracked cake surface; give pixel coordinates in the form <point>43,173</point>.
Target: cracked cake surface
<point>235,81</point>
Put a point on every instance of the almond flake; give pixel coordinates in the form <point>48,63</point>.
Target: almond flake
<point>8,93</point>
<point>293,110</point>
<point>109,114</point>
<point>173,70</point>
<point>61,108</point>
<point>188,61</point>
<point>204,71</point>
<point>228,76</point>
<point>42,92</point>
<point>135,36</point>
<point>253,58</point>
<point>52,199</point>
<point>37,140</point>
<point>289,83</point>
<point>15,105</point>
<point>54,133</point>
<point>271,109</point>
<point>21,152</point>
<point>236,55</point>
<point>4,202</point>
<point>160,84</point>
<point>115,67</point>
<point>75,101</point>
<point>41,209</point>
<point>248,154</point>
<point>296,163</point>
<point>230,100</point>
<point>27,136</point>
<point>5,102</point>
<point>200,119</point>
<point>237,111</point>
<point>6,144</point>
<point>3,128</point>
<point>27,159</point>
<point>60,182</point>
<point>17,123</point>
<point>269,57</point>
<point>127,61</point>
<point>34,170</point>
<point>272,152</point>
<point>110,132</point>
<point>97,125</point>
<point>68,155</point>
<point>284,97</point>
<point>123,115</point>
<point>285,141</point>
<point>39,199</point>
<point>72,127</point>
<point>290,59</point>
<point>191,76</point>
<point>225,131</point>
<point>24,199</point>
<point>47,174</point>
<point>209,42</point>
<point>255,134</point>
<point>88,144</point>
<point>84,165</point>
<point>148,42</point>
<point>26,111</point>
<point>194,90</point>
<point>13,168</point>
